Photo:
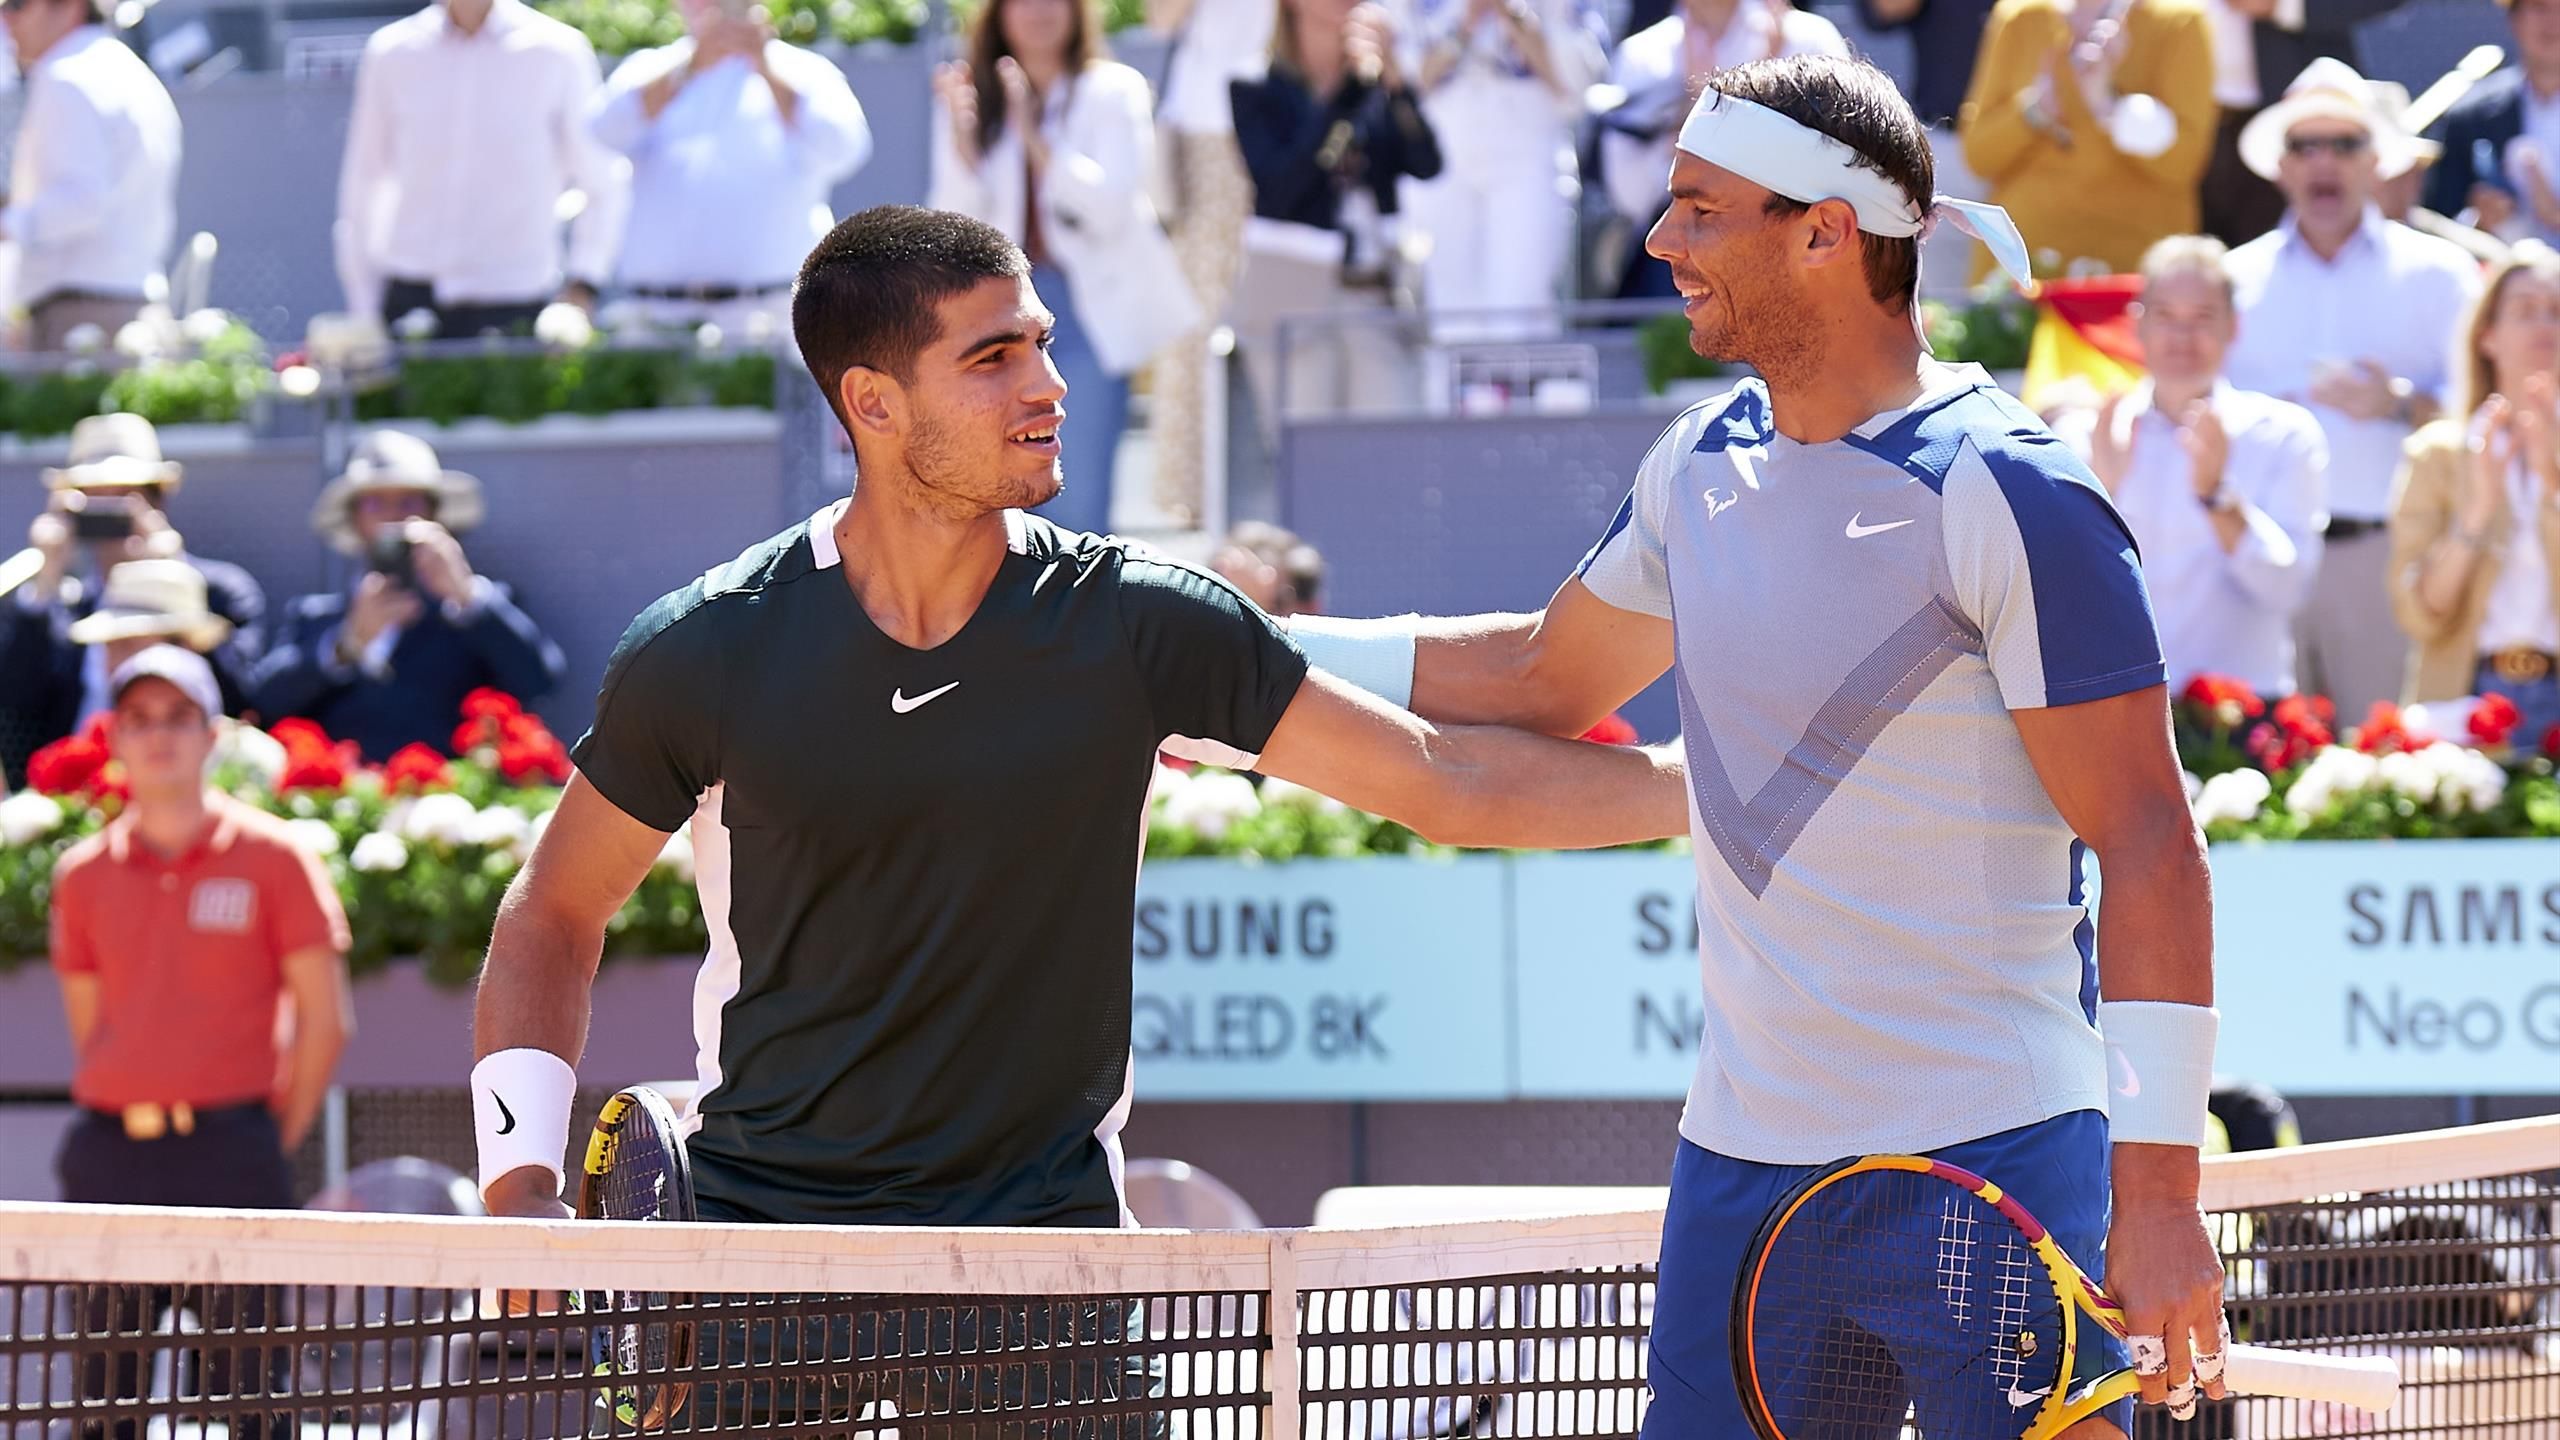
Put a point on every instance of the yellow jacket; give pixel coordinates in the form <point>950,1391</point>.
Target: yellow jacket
<point>2444,657</point>
<point>2091,200</point>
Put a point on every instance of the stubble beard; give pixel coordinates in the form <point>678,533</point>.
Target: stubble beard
<point>949,484</point>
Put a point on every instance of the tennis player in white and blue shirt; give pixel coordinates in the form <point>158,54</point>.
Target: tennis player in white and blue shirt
<point>1919,685</point>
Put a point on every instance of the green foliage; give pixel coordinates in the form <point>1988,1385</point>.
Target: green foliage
<point>213,383</point>
<point>517,386</point>
<point>1663,342</point>
<point>1992,331</point>
<point>618,27</point>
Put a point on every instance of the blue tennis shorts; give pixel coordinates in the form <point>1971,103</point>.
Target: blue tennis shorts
<point>2057,1168</point>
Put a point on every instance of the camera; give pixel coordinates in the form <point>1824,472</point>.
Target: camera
<point>96,519</point>
<point>389,554</point>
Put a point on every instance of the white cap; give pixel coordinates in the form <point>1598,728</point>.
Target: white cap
<point>183,668</point>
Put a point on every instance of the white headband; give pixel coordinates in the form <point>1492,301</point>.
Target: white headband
<point>1805,165</point>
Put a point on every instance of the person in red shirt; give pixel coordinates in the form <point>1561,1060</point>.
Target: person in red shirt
<point>182,933</point>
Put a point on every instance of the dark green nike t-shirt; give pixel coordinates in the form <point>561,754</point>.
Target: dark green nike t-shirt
<point>918,867</point>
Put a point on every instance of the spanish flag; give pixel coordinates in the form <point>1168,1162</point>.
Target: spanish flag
<point>2083,338</point>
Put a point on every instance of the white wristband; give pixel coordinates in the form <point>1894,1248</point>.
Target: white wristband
<point>2159,1070</point>
<point>1376,655</point>
<point>520,1103</point>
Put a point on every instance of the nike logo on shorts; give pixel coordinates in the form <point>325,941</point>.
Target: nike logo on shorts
<point>899,702</point>
<point>1861,532</point>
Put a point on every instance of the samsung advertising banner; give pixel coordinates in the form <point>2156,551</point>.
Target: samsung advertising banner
<point>1377,979</point>
<point>2416,968</point>
<point>2427,968</point>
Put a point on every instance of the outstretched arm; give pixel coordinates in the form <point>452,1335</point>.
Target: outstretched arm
<point>1557,672</point>
<point>1473,785</point>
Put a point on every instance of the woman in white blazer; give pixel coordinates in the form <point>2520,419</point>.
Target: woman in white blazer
<point>1041,137</point>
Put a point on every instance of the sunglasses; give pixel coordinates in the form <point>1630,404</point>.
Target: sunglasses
<point>2342,146</point>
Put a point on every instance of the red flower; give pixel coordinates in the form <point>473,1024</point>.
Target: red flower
<point>2306,719</point>
<point>2494,719</point>
<point>2551,742</point>
<point>2382,732</point>
<point>2221,693</point>
<point>300,737</point>
<point>524,761</point>
<point>414,767</point>
<point>1613,729</point>
<point>487,704</point>
<point>68,766</point>
<point>326,768</point>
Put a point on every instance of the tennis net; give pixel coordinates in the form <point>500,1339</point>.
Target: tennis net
<point>128,1324</point>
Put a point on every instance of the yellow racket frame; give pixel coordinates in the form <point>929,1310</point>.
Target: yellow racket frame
<point>2062,1407</point>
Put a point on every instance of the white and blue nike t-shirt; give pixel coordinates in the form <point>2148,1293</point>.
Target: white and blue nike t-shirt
<point>1896,950</point>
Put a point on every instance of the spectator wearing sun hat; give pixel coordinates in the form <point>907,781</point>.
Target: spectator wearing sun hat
<point>2352,315</point>
<point>115,487</point>
<point>386,663</point>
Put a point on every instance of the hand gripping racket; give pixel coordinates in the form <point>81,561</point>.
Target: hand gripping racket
<point>1894,1281</point>
<point>636,1170</point>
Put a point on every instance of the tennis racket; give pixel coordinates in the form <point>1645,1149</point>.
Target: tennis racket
<point>1894,1280</point>
<point>636,1170</point>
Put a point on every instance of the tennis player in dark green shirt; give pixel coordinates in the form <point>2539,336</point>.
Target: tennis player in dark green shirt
<point>914,736</point>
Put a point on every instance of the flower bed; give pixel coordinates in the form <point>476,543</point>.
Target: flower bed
<point>2284,771</point>
<point>422,847</point>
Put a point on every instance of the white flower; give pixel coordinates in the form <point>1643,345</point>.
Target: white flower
<point>2410,775</point>
<point>28,817</point>
<point>759,327</point>
<point>205,326</point>
<point>2235,796</point>
<point>444,819</point>
<point>2335,771</point>
<point>708,337</point>
<point>317,836</point>
<point>418,324</point>
<point>499,827</point>
<point>1212,803</point>
<point>677,856</point>
<point>563,326</point>
<point>141,340</point>
<point>2465,779</point>
<point>1279,794</point>
<point>2195,787</point>
<point>379,853</point>
<point>85,339</point>
<point>259,755</point>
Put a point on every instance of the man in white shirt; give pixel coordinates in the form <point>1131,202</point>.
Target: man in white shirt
<point>94,199</point>
<point>2224,489</point>
<point>469,133</point>
<point>2354,316</point>
<point>733,123</point>
<point>1659,70</point>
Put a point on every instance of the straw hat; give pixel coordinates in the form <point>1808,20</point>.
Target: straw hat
<point>157,599</point>
<point>116,449</point>
<point>2327,89</point>
<point>2393,98</point>
<point>393,460</point>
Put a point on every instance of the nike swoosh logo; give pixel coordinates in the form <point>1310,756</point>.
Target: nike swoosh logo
<point>2131,1084</point>
<point>504,1113</point>
<point>1861,532</point>
<point>900,703</point>
<point>2021,1399</point>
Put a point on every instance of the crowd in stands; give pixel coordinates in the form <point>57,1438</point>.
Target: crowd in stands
<point>2309,464</point>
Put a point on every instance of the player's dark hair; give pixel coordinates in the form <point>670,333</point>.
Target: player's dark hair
<point>866,294</point>
<point>1858,105</point>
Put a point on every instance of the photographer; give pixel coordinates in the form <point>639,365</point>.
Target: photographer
<point>388,663</point>
<point>106,509</point>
